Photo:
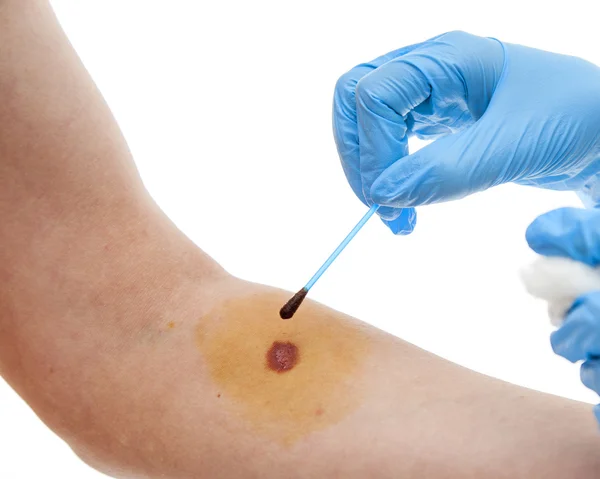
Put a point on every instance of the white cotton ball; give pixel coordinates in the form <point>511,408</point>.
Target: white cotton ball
<point>559,281</point>
<point>555,278</point>
<point>557,310</point>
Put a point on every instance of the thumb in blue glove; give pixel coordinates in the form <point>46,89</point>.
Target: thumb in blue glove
<point>498,112</point>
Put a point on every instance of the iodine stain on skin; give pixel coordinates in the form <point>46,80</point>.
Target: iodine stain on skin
<point>286,379</point>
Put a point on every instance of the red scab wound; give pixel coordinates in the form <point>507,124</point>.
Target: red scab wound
<point>282,357</point>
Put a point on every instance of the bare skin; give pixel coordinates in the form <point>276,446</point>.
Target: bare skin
<point>151,361</point>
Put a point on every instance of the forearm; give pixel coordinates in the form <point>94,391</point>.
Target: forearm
<point>82,243</point>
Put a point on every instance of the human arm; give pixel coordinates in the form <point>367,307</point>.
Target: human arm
<point>122,334</point>
<point>498,113</point>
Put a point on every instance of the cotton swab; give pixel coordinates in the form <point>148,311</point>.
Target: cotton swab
<point>290,308</point>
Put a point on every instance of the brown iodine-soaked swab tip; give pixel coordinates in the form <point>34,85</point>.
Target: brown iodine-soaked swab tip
<point>290,308</point>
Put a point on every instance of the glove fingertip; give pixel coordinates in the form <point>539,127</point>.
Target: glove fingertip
<point>404,224</point>
<point>532,235</point>
<point>561,347</point>
<point>589,374</point>
<point>540,232</point>
<point>566,232</point>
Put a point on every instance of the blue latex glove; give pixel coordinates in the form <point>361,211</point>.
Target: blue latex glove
<point>499,113</point>
<point>574,233</point>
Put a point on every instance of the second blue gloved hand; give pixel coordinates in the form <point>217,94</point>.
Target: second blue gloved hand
<point>499,113</point>
<point>575,233</point>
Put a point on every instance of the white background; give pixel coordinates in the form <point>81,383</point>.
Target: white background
<point>227,108</point>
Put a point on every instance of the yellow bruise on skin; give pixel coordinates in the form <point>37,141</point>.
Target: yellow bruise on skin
<point>318,392</point>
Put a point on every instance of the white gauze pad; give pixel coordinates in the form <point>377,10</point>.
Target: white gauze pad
<point>559,281</point>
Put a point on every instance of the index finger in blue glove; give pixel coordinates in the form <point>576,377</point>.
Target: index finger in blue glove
<point>345,127</point>
<point>567,232</point>
<point>590,374</point>
<point>384,97</point>
<point>347,137</point>
<point>578,339</point>
<point>404,224</point>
